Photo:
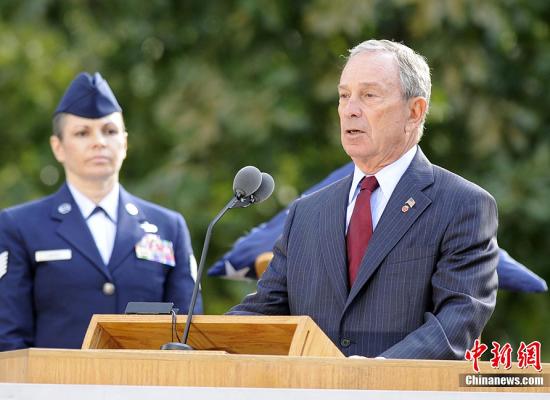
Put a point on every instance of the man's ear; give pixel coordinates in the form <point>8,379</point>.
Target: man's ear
<point>57,148</point>
<point>417,111</point>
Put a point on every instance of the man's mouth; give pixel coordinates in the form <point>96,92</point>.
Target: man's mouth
<point>354,131</point>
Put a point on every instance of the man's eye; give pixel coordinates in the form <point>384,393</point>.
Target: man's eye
<point>111,131</point>
<point>344,95</point>
<point>80,133</point>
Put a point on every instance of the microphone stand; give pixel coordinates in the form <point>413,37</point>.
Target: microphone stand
<point>183,344</point>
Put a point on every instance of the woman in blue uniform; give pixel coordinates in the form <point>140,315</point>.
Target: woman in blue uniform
<point>91,247</point>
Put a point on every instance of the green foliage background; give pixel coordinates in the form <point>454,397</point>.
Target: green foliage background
<point>210,86</point>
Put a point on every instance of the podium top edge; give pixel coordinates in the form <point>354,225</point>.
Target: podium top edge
<point>205,319</point>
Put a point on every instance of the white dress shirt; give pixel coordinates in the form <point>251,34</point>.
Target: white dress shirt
<point>102,225</point>
<point>387,178</point>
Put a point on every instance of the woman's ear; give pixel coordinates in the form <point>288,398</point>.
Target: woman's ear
<point>57,148</point>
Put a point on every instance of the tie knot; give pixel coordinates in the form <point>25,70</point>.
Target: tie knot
<point>369,183</point>
<point>97,210</point>
<point>101,210</point>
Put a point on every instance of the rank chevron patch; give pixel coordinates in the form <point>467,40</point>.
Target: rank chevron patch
<point>3,263</point>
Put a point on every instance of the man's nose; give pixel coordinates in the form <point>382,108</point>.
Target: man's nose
<point>352,108</point>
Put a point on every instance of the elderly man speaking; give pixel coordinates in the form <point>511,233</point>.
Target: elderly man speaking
<point>399,259</point>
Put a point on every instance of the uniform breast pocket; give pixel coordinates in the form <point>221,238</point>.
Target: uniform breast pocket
<point>148,277</point>
<point>152,267</point>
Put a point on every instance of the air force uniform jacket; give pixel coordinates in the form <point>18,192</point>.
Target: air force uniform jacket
<point>53,279</point>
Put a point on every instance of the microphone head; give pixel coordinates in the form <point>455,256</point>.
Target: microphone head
<point>246,181</point>
<point>265,190</point>
<point>243,202</point>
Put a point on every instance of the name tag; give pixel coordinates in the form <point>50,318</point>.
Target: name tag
<point>53,255</point>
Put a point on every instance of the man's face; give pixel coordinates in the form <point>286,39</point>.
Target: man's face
<point>375,119</point>
<point>91,149</point>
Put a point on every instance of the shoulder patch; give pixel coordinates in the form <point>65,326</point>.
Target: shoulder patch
<point>193,267</point>
<point>3,263</point>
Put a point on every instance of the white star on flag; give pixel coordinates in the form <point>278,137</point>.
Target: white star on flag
<point>235,274</point>
<point>3,263</point>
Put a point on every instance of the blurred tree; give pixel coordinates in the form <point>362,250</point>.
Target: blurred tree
<point>208,87</point>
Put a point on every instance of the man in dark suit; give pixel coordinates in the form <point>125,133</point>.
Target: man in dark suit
<point>397,260</point>
<point>91,247</point>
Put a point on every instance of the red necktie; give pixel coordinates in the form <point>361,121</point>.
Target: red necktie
<point>360,227</point>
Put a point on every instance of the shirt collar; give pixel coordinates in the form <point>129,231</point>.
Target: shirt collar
<point>387,177</point>
<point>109,203</point>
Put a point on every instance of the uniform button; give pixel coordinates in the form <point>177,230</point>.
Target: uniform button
<point>345,342</point>
<point>108,288</point>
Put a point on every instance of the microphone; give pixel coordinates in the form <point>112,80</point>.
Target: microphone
<point>250,186</point>
<point>262,193</point>
<point>246,181</point>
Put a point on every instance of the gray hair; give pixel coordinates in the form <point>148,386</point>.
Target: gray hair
<point>57,125</point>
<point>414,71</point>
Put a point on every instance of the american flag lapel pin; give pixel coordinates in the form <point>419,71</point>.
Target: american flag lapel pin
<point>408,205</point>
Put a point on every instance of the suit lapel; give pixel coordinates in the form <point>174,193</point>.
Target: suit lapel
<point>332,223</point>
<point>394,223</point>
<point>128,232</point>
<point>73,228</point>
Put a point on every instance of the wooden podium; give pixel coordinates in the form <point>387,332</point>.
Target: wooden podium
<point>233,351</point>
<point>273,335</point>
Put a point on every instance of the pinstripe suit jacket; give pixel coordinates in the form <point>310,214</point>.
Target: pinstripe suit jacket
<point>426,285</point>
